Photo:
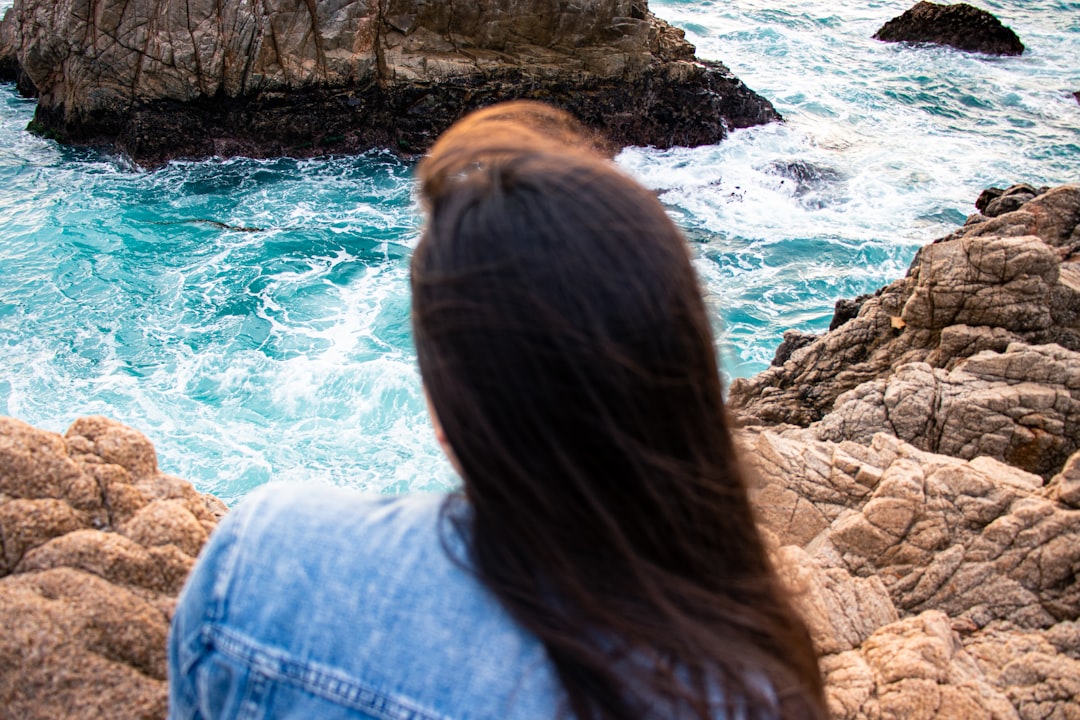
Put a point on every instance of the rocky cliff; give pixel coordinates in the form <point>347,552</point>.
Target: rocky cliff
<point>976,352</point>
<point>158,79</point>
<point>918,465</point>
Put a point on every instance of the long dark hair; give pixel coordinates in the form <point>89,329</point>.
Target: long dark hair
<point>568,356</point>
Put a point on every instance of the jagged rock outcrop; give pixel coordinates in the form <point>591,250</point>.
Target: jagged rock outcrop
<point>934,587</point>
<point>960,25</point>
<point>975,352</point>
<point>158,79</point>
<point>921,475</point>
<point>1021,405</point>
<point>95,544</point>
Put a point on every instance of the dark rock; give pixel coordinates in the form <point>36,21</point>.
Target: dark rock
<point>846,309</point>
<point>1007,203</point>
<point>262,80</point>
<point>10,68</point>
<point>987,196</point>
<point>995,201</point>
<point>793,340</point>
<point>960,26</point>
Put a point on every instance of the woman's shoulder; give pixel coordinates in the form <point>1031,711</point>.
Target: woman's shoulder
<point>295,517</point>
<point>337,553</point>
<point>371,593</point>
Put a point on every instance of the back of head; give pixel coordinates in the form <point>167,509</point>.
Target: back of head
<point>567,352</point>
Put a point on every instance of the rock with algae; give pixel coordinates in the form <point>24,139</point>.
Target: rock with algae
<point>159,79</point>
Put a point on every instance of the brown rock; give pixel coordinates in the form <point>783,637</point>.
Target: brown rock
<point>1021,407</point>
<point>76,646</point>
<point>96,544</point>
<point>34,464</point>
<point>975,539</point>
<point>159,79</point>
<point>114,444</point>
<point>980,314</point>
<point>841,611</point>
<point>25,524</point>
<point>1037,670</point>
<point>912,668</point>
<point>165,522</point>
<point>1065,486</point>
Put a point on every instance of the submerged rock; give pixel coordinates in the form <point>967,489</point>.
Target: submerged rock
<point>961,26</point>
<point>96,543</point>
<point>158,79</point>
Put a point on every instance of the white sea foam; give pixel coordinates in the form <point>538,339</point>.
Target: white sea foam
<point>252,316</point>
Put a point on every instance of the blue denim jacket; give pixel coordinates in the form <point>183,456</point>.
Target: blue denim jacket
<point>313,602</point>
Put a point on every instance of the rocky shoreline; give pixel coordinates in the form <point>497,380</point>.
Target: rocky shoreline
<point>918,473</point>
<point>167,79</point>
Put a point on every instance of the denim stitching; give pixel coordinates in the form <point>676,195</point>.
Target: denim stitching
<point>215,610</point>
<point>253,708</point>
<point>324,682</point>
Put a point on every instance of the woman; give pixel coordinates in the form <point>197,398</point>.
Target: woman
<point>602,561</point>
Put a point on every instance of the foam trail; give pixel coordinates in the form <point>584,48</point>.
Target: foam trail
<point>252,316</point>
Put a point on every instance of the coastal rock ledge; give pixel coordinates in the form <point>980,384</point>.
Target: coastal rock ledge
<point>161,79</point>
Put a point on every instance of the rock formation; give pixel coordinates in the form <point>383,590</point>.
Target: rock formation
<point>95,544</point>
<point>976,352</point>
<point>933,587</point>
<point>960,26</point>
<point>158,79</point>
<point>919,467</point>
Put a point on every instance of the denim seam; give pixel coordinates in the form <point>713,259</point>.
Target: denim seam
<point>326,683</point>
<point>215,610</point>
<point>253,707</point>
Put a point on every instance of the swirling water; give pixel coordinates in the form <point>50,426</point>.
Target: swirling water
<point>251,317</point>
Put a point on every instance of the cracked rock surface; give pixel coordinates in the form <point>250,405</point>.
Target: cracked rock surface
<point>918,469</point>
<point>95,544</point>
<point>159,79</point>
<point>933,587</point>
<point>976,352</point>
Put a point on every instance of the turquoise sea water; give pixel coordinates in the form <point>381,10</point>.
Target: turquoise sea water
<point>251,317</point>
